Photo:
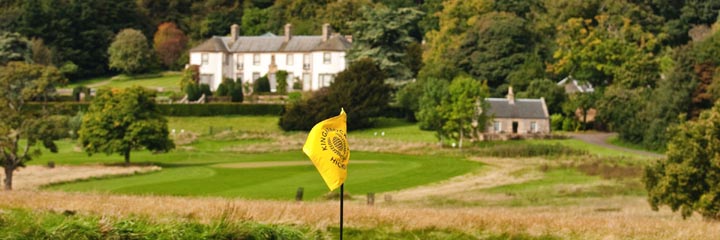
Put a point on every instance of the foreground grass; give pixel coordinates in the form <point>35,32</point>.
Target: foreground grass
<point>608,218</point>
<point>25,224</point>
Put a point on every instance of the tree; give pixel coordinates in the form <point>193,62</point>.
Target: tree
<point>19,83</point>
<point>496,45</point>
<point>688,179</point>
<point>14,47</point>
<point>429,112</point>
<point>383,35</point>
<point>340,14</point>
<point>122,120</point>
<point>462,109</point>
<point>169,43</point>
<point>255,21</point>
<point>129,51</point>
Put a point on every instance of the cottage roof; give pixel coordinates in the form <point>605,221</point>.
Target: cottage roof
<point>572,85</point>
<point>521,108</point>
<point>273,43</point>
<point>214,44</point>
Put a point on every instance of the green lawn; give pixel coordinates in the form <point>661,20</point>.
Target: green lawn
<point>169,81</point>
<point>202,125</point>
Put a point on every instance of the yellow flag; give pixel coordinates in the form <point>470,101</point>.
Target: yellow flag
<point>327,147</point>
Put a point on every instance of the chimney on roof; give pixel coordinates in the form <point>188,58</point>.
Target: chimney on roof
<point>288,32</point>
<point>326,32</point>
<point>234,30</point>
<point>511,96</point>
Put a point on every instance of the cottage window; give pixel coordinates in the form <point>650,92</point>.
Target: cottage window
<point>497,126</point>
<point>256,75</point>
<point>327,58</point>
<point>307,60</point>
<point>256,59</point>
<point>533,127</point>
<point>290,60</point>
<point>240,62</point>
<point>205,59</point>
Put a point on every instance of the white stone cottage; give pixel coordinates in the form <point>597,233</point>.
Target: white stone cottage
<point>314,60</point>
<point>522,116</point>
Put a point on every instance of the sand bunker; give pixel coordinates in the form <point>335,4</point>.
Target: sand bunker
<point>281,164</point>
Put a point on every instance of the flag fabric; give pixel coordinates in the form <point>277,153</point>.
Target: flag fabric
<point>327,147</point>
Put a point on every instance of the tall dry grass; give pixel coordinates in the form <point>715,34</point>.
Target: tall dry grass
<point>630,218</point>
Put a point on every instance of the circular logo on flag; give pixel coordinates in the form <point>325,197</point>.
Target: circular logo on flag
<point>338,144</point>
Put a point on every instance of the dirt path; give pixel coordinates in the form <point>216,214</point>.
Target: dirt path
<point>33,177</point>
<point>500,171</point>
<point>280,164</point>
<point>601,139</point>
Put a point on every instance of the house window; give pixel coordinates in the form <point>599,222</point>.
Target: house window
<point>256,59</point>
<point>326,79</point>
<point>290,61</point>
<point>307,81</point>
<point>326,58</point>
<point>206,79</point>
<point>533,127</point>
<point>497,126</point>
<point>307,60</point>
<point>205,59</point>
<point>240,62</point>
<point>256,75</point>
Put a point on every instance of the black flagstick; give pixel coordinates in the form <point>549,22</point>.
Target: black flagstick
<point>341,208</point>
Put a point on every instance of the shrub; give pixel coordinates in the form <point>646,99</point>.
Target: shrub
<point>205,89</point>
<point>569,124</point>
<point>230,88</point>
<point>556,122</point>
<point>281,77</point>
<point>193,91</point>
<point>262,85</point>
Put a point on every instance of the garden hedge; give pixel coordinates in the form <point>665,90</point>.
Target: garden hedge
<point>180,110</point>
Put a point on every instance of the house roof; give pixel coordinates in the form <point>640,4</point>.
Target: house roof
<point>273,43</point>
<point>214,44</point>
<point>572,85</point>
<point>522,108</point>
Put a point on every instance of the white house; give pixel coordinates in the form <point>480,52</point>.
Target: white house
<point>314,60</point>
